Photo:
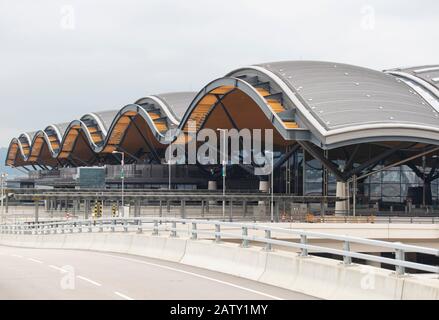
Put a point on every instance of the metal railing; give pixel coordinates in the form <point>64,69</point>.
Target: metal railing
<point>159,225</point>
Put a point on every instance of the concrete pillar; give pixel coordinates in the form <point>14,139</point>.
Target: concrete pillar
<point>36,210</point>
<point>231,210</point>
<point>137,208</point>
<point>212,185</point>
<point>341,207</point>
<point>86,209</point>
<point>244,208</point>
<point>264,186</point>
<point>183,209</point>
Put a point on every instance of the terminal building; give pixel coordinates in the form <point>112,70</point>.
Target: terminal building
<point>339,130</point>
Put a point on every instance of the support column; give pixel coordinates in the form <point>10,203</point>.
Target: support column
<point>341,207</point>
<point>86,208</point>
<point>183,209</point>
<point>212,185</point>
<point>36,210</point>
<point>264,186</point>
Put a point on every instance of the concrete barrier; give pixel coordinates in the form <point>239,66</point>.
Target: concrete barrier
<point>316,276</point>
<point>228,258</point>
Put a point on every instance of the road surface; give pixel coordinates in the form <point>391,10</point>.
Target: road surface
<point>72,274</point>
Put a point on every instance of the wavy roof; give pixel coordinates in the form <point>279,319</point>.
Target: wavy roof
<point>328,104</point>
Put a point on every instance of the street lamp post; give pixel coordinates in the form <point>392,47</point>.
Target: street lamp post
<point>169,168</point>
<point>272,186</point>
<point>122,175</point>
<point>2,182</point>
<point>223,131</point>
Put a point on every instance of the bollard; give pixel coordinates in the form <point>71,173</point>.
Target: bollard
<point>173,229</point>
<point>194,231</point>
<point>155,230</point>
<point>217,233</point>
<point>347,247</point>
<point>303,241</point>
<point>244,237</point>
<point>268,246</point>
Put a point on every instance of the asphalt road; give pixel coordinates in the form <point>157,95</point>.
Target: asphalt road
<point>72,274</point>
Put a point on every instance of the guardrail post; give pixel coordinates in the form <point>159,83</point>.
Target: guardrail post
<point>244,237</point>
<point>268,246</point>
<point>194,231</point>
<point>139,224</point>
<point>173,229</point>
<point>155,230</point>
<point>303,241</point>
<point>101,226</point>
<point>400,255</point>
<point>79,225</point>
<point>347,247</point>
<point>90,228</point>
<point>217,233</point>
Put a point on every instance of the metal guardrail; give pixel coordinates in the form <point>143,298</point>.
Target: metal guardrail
<point>268,240</point>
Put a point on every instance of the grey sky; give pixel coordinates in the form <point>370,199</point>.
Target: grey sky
<point>119,51</point>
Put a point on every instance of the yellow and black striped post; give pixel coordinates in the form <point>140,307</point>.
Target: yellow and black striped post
<point>95,213</point>
<point>114,210</point>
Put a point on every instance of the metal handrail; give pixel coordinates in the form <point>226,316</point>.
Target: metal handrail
<point>159,224</point>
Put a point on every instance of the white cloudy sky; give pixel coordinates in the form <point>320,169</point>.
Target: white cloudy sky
<point>119,51</point>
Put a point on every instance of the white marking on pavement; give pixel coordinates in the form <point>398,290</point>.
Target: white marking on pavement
<point>57,268</point>
<point>123,296</point>
<point>89,280</point>
<point>16,255</point>
<point>34,260</point>
<point>197,275</point>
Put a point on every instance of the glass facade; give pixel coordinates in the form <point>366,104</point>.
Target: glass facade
<point>305,175</point>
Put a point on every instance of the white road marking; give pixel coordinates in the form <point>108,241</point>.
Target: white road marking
<point>197,275</point>
<point>34,260</point>
<point>57,268</point>
<point>122,295</point>
<point>16,255</point>
<point>89,280</point>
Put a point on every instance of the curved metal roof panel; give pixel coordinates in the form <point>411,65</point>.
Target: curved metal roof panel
<point>177,102</point>
<point>106,117</point>
<point>341,95</point>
